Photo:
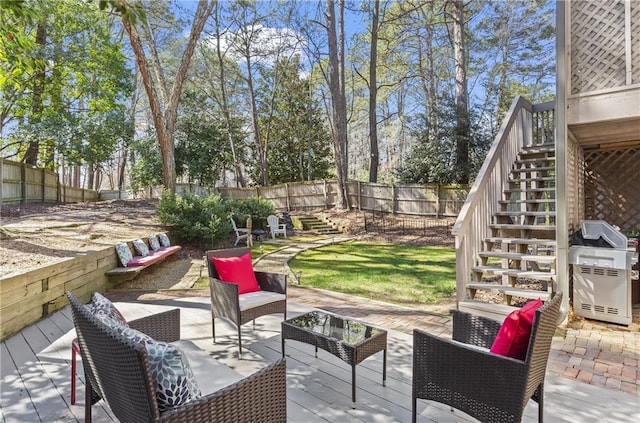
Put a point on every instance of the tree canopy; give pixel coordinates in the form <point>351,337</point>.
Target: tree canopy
<point>255,93</point>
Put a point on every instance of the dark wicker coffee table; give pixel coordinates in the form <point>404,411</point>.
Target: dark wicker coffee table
<point>350,340</point>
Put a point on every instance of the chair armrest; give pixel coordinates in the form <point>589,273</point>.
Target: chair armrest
<point>469,371</point>
<point>224,299</point>
<point>475,330</point>
<point>260,397</point>
<point>164,326</point>
<point>272,282</point>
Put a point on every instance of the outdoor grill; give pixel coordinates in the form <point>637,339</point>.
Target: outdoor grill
<point>601,273</point>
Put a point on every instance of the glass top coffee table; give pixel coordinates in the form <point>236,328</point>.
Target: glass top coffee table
<point>350,340</point>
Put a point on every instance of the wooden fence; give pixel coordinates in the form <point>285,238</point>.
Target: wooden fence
<point>423,200</point>
<point>25,184</point>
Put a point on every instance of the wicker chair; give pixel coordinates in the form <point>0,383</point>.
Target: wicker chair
<point>117,370</point>
<point>225,301</point>
<point>487,386</point>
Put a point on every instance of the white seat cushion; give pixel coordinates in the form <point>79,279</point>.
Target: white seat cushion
<point>210,374</point>
<point>258,298</point>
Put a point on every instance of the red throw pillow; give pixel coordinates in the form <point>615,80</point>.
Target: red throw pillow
<point>238,270</point>
<point>513,337</point>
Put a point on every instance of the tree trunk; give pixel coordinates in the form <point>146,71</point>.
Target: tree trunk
<point>225,106</point>
<point>462,96</point>
<point>373,96</point>
<point>31,155</point>
<point>338,101</point>
<point>165,120</point>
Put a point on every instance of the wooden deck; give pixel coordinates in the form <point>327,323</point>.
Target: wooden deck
<point>36,385</point>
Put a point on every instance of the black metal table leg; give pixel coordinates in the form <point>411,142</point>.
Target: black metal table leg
<point>353,386</point>
<point>384,367</point>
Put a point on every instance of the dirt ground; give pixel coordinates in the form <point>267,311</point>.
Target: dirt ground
<point>42,233</point>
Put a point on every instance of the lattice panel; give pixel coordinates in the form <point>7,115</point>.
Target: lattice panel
<point>575,178</point>
<point>635,42</point>
<point>597,45</point>
<point>612,191</point>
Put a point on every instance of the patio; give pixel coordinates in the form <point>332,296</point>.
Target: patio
<point>36,373</point>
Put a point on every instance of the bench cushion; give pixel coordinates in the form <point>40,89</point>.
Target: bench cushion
<point>153,256</point>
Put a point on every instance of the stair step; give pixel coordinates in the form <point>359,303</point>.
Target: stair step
<point>550,213</point>
<point>527,201</point>
<point>518,256</point>
<point>531,169</point>
<point>492,311</point>
<point>542,179</point>
<point>314,224</point>
<point>529,274</point>
<point>514,227</point>
<point>529,241</point>
<point>510,290</point>
<point>529,190</point>
<point>540,148</point>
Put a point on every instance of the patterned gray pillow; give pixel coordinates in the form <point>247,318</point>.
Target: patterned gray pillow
<point>164,240</point>
<point>172,376</point>
<point>103,309</point>
<point>154,244</point>
<point>124,253</point>
<point>141,247</point>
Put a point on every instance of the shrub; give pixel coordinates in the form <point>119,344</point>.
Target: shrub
<point>256,208</point>
<point>204,219</point>
<point>194,218</point>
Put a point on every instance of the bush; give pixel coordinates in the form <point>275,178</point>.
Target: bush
<point>257,208</point>
<point>194,218</point>
<point>206,219</point>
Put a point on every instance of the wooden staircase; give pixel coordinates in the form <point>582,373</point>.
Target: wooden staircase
<point>518,260</point>
<point>316,225</point>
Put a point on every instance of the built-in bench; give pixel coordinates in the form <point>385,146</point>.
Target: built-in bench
<point>128,271</point>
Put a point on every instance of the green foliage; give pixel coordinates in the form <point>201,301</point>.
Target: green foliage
<point>299,144</point>
<point>73,106</point>
<point>256,208</point>
<point>147,169</point>
<point>193,218</point>
<point>433,156</point>
<point>206,219</point>
<point>202,148</point>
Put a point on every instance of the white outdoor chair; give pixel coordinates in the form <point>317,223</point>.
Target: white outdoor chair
<point>241,233</point>
<point>276,227</point>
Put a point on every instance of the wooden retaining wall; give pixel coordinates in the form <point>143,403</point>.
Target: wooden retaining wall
<point>29,296</point>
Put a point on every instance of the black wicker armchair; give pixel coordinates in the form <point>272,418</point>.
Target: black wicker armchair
<point>227,303</point>
<point>487,386</point>
<point>117,370</point>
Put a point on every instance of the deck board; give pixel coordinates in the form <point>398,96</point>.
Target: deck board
<point>35,383</point>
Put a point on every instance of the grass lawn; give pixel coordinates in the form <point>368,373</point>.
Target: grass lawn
<point>400,274</point>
